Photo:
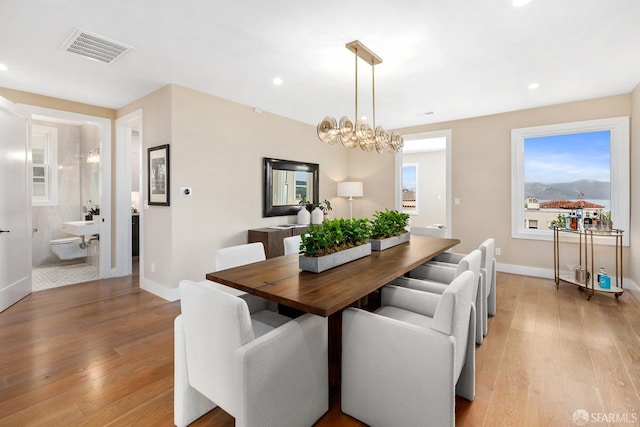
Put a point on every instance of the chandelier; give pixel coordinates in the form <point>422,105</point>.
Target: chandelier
<point>362,134</point>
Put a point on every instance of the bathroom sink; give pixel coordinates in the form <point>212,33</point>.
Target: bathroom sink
<point>81,228</point>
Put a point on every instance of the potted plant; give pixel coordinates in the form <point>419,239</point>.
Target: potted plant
<point>388,229</point>
<point>325,207</point>
<point>560,222</point>
<point>334,242</point>
<point>92,210</point>
<point>605,220</point>
<point>306,203</point>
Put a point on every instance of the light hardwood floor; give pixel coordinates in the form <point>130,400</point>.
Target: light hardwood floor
<point>101,354</point>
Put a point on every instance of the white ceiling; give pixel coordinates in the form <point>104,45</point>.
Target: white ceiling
<point>455,58</point>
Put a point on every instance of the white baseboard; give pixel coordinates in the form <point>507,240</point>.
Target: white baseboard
<point>546,273</point>
<point>169,294</point>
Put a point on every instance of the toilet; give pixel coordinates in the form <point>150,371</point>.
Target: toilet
<point>68,248</point>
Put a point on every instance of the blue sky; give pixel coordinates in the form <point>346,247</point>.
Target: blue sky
<point>409,177</point>
<point>567,158</point>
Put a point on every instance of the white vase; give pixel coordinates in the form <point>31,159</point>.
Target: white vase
<point>304,217</point>
<point>317,216</point>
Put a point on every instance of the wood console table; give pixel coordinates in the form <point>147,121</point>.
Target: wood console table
<point>272,238</point>
<point>328,293</point>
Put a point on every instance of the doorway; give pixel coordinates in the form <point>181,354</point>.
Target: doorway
<point>423,179</point>
<point>70,181</point>
<point>129,204</point>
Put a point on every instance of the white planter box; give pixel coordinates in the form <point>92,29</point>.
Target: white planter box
<point>321,263</point>
<point>382,244</point>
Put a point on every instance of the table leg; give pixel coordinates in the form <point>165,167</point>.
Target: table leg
<point>335,350</point>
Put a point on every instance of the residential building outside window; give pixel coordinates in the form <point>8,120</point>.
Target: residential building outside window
<point>410,188</point>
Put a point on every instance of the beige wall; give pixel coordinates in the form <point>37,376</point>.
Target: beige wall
<point>20,97</point>
<point>211,138</point>
<point>157,247</point>
<point>481,175</point>
<point>217,148</point>
<point>377,172</point>
<point>634,236</point>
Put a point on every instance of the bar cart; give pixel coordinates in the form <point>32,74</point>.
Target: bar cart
<point>586,260</point>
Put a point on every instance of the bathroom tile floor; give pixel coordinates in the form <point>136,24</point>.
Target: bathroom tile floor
<point>56,275</point>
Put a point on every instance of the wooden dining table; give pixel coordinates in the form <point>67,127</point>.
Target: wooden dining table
<point>328,293</point>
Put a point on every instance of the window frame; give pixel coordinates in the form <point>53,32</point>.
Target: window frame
<point>50,165</point>
<point>619,169</point>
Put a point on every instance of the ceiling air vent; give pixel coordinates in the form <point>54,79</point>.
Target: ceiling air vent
<point>94,46</point>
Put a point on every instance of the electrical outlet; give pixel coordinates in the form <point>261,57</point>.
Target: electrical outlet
<point>498,251</point>
<point>153,267</point>
<point>456,201</point>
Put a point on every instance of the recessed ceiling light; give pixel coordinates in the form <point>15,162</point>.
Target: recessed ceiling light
<point>426,113</point>
<point>534,86</point>
<point>3,67</point>
<point>363,118</point>
<point>277,81</point>
<point>520,3</point>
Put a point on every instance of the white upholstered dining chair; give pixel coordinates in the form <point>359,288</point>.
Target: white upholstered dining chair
<point>403,364</point>
<point>430,231</point>
<point>488,276</point>
<point>233,256</point>
<point>292,244</point>
<point>435,277</point>
<point>263,368</point>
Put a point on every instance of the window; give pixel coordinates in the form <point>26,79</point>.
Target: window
<point>410,188</point>
<point>558,167</point>
<point>44,155</point>
<point>302,184</point>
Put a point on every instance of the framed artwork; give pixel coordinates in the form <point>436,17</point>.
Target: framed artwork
<point>158,173</point>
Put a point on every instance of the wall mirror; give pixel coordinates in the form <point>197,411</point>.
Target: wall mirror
<point>286,183</point>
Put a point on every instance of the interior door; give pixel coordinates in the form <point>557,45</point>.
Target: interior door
<point>15,221</point>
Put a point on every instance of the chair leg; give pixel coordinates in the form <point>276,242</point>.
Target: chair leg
<point>492,292</point>
<point>188,403</point>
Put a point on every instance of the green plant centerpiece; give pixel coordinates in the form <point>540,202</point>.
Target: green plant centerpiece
<point>334,242</point>
<point>388,229</point>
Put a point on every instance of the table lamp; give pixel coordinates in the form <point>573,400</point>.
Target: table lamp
<point>350,189</point>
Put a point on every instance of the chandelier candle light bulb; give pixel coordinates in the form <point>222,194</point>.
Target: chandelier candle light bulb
<point>361,135</point>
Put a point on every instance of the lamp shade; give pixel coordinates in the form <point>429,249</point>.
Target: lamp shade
<point>350,189</point>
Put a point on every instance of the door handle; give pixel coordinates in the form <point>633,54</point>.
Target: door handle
<point>4,231</point>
